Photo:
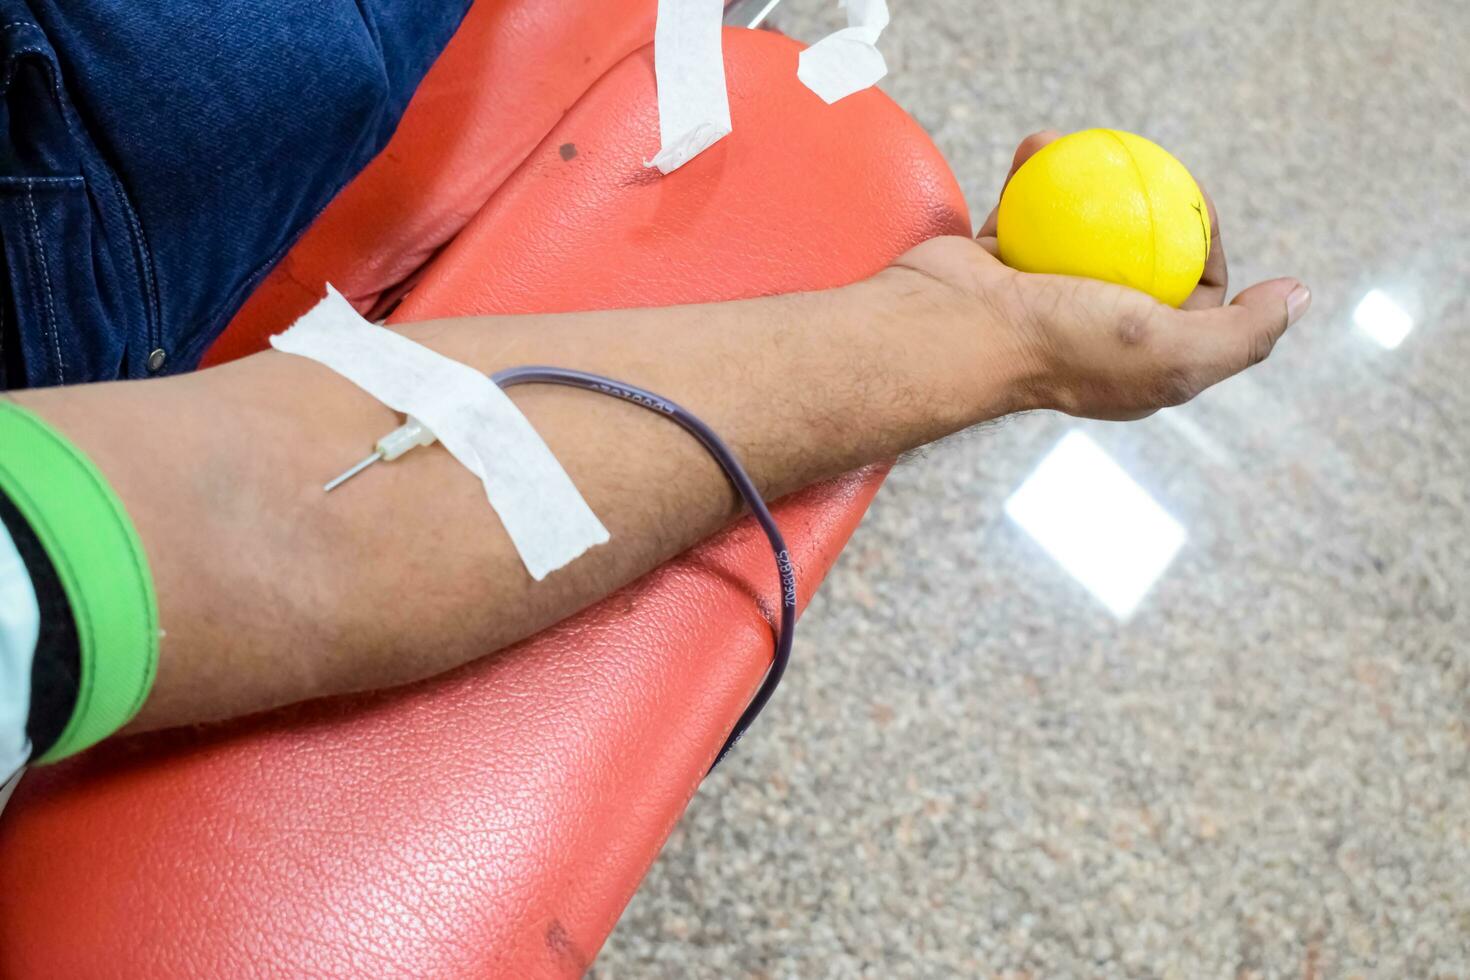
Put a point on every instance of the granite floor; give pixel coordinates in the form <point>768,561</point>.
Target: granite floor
<point>986,764</point>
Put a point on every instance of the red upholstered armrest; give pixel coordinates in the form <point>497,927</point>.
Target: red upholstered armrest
<point>494,822</point>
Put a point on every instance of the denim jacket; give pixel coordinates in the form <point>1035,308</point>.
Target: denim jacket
<point>158,157</point>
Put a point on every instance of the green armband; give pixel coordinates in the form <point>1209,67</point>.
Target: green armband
<point>99,561</point>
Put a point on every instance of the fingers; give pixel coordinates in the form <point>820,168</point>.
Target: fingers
<point>1208,346</point>
<point>1028,148</point>
<point>1214,284</point>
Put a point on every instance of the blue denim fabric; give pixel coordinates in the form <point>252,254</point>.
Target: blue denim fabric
<point>158,157</point>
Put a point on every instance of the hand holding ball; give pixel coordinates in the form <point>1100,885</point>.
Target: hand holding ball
<point>1107,205</point>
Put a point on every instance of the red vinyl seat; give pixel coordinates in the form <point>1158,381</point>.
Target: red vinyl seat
<point>493,822</point>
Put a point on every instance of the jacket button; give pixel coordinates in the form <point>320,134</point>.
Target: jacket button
<point>156,359</point>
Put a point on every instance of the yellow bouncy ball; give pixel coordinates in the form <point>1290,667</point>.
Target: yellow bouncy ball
<point>1107,205</point>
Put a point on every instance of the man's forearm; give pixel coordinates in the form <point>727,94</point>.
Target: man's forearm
<point>271,591</point>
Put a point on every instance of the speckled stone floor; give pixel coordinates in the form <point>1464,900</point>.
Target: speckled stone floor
<point>975,767</point>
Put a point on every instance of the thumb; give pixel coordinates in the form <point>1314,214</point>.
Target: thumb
<point>1229,339</point>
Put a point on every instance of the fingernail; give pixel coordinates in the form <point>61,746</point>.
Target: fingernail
<point>1297,304</point>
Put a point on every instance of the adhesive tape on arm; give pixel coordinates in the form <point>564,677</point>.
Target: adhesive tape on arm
<point>547,519</point>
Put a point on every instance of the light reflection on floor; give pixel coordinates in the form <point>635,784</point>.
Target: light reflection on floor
<point>1381,318</point>
<point>1104,529</point>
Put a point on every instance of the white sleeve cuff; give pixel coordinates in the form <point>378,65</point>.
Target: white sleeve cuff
<point>20,627</point>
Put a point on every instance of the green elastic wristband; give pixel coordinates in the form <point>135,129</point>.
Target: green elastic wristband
<point>99,560</point>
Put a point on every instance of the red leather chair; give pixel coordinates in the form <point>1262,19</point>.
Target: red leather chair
<point>495,821</point>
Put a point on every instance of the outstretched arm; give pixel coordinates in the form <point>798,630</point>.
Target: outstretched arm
<point>272,592</point>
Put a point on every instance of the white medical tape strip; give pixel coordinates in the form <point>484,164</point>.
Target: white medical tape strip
<point>848,60</point>
<point>546,517</point>
<point>689,65</point>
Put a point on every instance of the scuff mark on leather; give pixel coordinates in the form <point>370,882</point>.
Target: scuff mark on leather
<point>561,945</point>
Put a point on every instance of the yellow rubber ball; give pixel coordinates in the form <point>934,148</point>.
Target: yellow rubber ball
<point>1107,205</point>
